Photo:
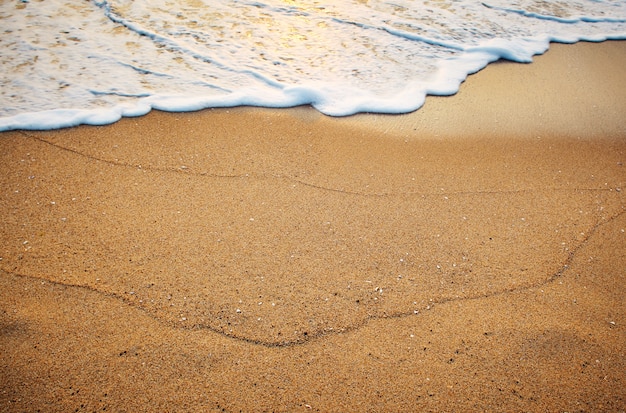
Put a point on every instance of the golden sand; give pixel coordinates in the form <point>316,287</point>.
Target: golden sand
<point>470,256</point>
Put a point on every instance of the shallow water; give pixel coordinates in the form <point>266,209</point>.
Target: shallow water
<point>71,62</point>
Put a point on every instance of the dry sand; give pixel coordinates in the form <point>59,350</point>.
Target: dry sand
<point>470,256</point>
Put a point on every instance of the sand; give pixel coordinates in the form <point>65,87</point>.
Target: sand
<point>470,256</point>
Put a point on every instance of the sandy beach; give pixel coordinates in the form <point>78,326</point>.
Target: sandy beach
<point>470,256</point>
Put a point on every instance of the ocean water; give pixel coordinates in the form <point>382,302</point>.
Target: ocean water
<point>69,62</point>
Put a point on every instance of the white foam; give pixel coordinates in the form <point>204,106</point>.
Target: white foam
<point>95,62</point>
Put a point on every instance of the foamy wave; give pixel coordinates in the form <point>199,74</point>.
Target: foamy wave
<point>95,62</point>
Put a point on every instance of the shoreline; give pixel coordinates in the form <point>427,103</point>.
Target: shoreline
<point>586,80</point>
<point>467,256</point>
<point>590,91</point>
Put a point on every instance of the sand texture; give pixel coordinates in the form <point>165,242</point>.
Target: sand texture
<point>470,256</point>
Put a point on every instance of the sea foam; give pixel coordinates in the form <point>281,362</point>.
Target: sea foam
<point>66,63</point>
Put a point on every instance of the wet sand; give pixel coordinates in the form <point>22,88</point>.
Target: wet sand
<point>470,256</point>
